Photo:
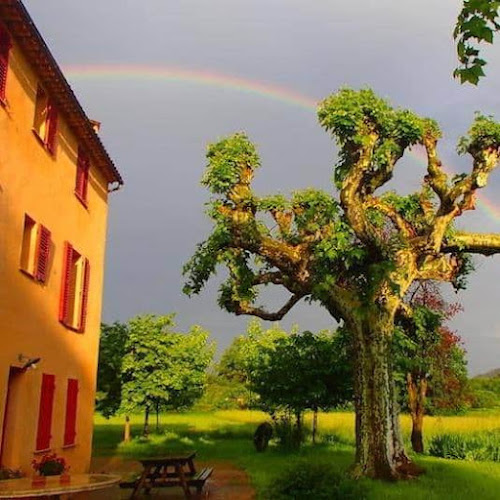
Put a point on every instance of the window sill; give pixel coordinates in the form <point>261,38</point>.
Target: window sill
<point>27,273</point>
<point>68,446</point>
<point>82,201</point>
<point>43,143</point>
<point>71,327</point>
<point>39,452</point>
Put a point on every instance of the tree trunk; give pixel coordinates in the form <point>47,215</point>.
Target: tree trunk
<point>314,425</point>
<point>157,418</point>
<point>145,431</point>
<point>417,391</point>
<point>379,446</point>
<point>298,420</point>
<point>126,431</point>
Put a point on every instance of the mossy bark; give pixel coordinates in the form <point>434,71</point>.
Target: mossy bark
<point>379,447</point>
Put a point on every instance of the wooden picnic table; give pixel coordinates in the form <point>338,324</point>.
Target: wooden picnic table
<point>169,471</point>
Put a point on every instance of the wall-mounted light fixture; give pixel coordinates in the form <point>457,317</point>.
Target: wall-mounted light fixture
<point>28,362</point>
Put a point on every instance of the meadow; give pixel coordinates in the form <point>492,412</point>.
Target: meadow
<point>227,436</point>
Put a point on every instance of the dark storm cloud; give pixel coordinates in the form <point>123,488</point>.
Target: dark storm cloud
<point>157,131</point>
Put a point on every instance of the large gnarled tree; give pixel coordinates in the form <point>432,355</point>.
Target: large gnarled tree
<point>356,256</point>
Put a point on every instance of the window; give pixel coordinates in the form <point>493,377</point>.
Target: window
<point>82,176</point>
<point>71,406</point>
<point>45,123</point>
<point>4,60</point>
<point>74,289</point>
<point>43,435</point>
<point>35,251</point>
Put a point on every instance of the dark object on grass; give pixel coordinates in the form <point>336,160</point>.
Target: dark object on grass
<point>262,436</point>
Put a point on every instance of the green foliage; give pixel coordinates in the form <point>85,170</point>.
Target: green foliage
<point>221,393</point>
<point>163,369</point>
<point>109,373</point>
<point>485,392</point>
<point>306,480</point>
<point>238,360</point>
<point>302,371</point>
<point>205,259</point>
<point>351,116</point>
<point>478,446</point>
<point>476,23</point>
<point>484,133</point>
<point>227,160</point>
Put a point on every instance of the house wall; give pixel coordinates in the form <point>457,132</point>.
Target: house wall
<point>34,182</point>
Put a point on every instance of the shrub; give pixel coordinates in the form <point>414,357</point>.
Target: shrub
<point>314,481</point>
<point>478,446</point>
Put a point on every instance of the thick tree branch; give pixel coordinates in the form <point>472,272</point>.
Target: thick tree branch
<point>244,308</point>
<point>485,244</point>
<point>400,222</point>
<point>352,192</point>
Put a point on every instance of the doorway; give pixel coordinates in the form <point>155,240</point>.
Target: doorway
<point>11,418</point>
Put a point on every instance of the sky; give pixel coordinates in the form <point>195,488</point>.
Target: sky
<point>160,77</point>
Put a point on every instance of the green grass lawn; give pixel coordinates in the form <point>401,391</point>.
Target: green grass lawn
<point>227,435</point>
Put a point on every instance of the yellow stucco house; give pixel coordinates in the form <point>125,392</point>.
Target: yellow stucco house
<point>55,178</point>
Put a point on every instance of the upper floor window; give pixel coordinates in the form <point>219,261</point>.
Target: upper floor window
<point>35,250</point>
<point>45,122</point>
<point>74,289</point>
<point>5,45</point>
<point>82,176</point>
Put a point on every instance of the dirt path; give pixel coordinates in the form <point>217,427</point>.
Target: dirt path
<point>227,482</point>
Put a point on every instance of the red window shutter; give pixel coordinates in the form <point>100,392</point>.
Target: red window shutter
<point>43,254</point>
<point>45,413</point>
<point>4,59</point>
<point>82,175</point>
<point>64,301</point>
<point>71,407</point>
<point>85,296</point>
<point>52,116</point>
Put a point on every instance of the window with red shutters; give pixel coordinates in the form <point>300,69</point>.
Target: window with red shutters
<point>85,296</point>
<point>43,254</point>
<point>5,45</point>
<point>35,250</point>
<point>45,412</point>
<point>66,283</point>
<point>71,412</point>
<point>52,116</point>
<point>74,289</point>
<point>45,121</point>
<point>82,176</point>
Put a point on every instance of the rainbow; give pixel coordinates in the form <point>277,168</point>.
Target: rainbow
<point>224,81</point>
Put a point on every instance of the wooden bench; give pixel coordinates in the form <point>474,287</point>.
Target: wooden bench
<point>156,475</point>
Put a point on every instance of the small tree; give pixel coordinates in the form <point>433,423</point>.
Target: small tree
<point>300,372</point>
<point>428,355</point>
<point>163,369</point>
<point>109,372</point>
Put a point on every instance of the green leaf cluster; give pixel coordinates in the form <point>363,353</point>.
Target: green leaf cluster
<point>227,160</point>
<point>476,23</point>
<point>353,116</point>
<point>483,134</point>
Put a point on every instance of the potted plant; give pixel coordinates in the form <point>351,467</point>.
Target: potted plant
<point>49,465</point>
